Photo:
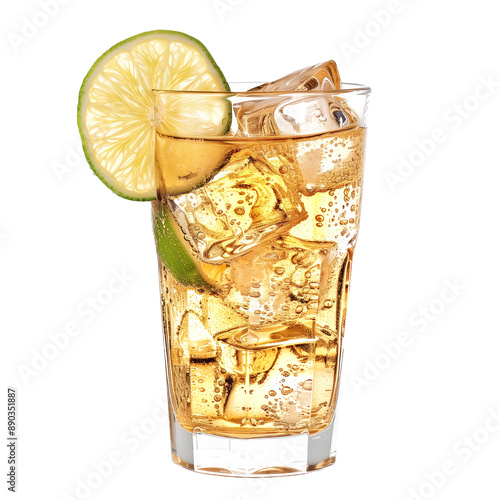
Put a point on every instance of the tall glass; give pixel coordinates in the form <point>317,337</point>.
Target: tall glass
<point>254,298</point>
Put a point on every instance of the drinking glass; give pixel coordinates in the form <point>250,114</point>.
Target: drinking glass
<point>256,224</point>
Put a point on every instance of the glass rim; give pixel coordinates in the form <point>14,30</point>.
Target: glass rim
<point>353,88</point>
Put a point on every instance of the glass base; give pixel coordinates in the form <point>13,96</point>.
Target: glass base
<point>253,457</point>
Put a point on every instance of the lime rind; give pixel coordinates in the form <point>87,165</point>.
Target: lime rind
<point>149,193</point>
<point>172,251</point>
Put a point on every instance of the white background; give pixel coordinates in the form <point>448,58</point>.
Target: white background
<point>432,235</point>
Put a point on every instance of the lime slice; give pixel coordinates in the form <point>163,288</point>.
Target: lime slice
<point>184,164</point>
<point>176,253</point>
<point>115,107</point>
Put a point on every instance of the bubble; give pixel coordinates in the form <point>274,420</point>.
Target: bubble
<point>299,309</point>
<point>286,373</point>
<point>272,393</point>
<point>286,390</point>
<point>319,218</point>
<point>283,169</point>
<point>239,211</point>
<point>200,235</point>
<point>217,397</point>
<point>279,270</point>
<point>328,304</point>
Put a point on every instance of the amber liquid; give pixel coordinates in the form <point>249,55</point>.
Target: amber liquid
<point>258,353</point>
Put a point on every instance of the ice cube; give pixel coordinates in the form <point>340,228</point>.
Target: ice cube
<point>332,160</point>
<point>283,388</point>
<point>320,76</point>
<point>200,343</point>
<point>292,114</point>
<point>275,283</point>
<point>242,206</point>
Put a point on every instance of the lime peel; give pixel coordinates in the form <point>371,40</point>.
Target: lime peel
<point>115,105</point>
<point>174,251</point>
